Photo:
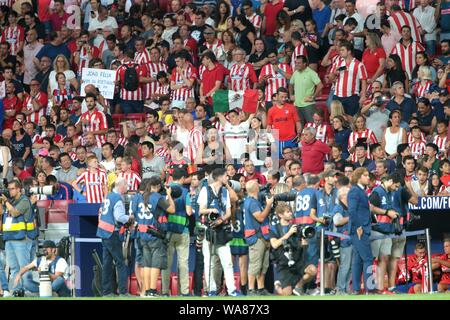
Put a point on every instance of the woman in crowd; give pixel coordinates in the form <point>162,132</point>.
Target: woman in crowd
<point>395,73</point>
<point>360,131</point>
<point>393,135</point>
<point>63,93</point>
<point>422,60</point>
<point>374,58</point>
<point>341,134</point>
<point>61,64</point>
<point>21,144</point>
<point>245,36</point>
<point>222,13</point>
<point>213,150</point>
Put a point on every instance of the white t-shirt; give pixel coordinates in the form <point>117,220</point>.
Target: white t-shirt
<point>235,138</point>
<point>61,266</point>
<point>109,165</point>
<point>111,22</point>
<point>202,199</point>
<point>416,188</point>
<point>52,81</point>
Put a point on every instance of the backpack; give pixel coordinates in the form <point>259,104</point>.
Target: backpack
<point>131,82</point>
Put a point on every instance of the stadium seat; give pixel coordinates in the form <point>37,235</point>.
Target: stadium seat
<point>173,284</point>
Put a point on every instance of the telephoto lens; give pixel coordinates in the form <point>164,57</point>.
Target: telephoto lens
<point>307,232</point>
<point>335,244</point>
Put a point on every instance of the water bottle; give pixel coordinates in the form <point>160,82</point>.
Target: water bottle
<point>45,285</point>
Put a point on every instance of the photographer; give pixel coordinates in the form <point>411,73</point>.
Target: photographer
<point>62,190</point>
<point>381,201</point>
<point>19,230</point>
<point>214,202</point>
<point>327,200</point>
<point>289,251</point>
<point>152,225</point>
<point>257,237</point>
<point>55,265</point>
<point>179,235</point>
<point>112,217</point>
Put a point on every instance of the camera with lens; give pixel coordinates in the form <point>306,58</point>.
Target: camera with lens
<point>305,231</point>
<point>45,190</point>
<point>335,245</point>
<point>326,220</point>
<point>199,232</point>
<point>5,192</point>
<point>381,100</point>
<point>398,228</point>
<point>157,233</point>
<point>289,252</point>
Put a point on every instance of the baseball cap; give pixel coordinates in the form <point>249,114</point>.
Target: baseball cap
<point>443,92</point>
<point>49,244</point>
<point>43,152</point>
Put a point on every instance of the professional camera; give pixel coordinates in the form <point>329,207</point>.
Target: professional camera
<point>286,196</point>
<point>160,234</point>
<point>289,252</point>
<point>327,219</point>
<point>335,244</point>
<point>45,190</point>
<point>213,216</point>
<point>199,232</point>
<point>398,228</point>
<point>5,191</point>
<point>19,293</point>
<point>176,191</point>
<point>306,232</point>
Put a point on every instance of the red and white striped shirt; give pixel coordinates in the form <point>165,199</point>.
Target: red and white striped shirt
<point>276,80</point>
<point>120,76</point>
<point>407,55</point>
<point>163,90</point>
<point>122,141</point>
<point>14,36</point>
<point>348,82</point>
<point>84,57</point>
<point>422,89</point>
<point>324,132</point>
<point>73,156</point>
<point>132,178</point>
<point>8,3</point>
<point>353,139</point>
<point>410,137</point>
<point>155,87</point>
<point>143,58</point>
<point>172,128</point>
<point>163,153</point>
<point>95,183</point>
<point>441,142</point>
<point>417,149</point>
<point>217,48</point>
<point>299,50</point>
<point>94,121</point>
<point>190,72</point>
<point>42,98</point>
<point>399,19</point>
<point>195,140</point>
<point>241,75</point>
<point>256,21</point>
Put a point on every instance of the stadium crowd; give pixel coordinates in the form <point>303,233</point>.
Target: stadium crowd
<point>351,118</point>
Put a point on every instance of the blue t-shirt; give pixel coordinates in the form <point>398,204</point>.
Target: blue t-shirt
<point>321,17</point>
<point>407,107</point>
<point>52,51</point>
<point>341,139</point>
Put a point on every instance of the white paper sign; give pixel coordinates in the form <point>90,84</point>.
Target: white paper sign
<point>101,78</point>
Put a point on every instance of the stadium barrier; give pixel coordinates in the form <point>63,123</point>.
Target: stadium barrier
<point>324,233</point>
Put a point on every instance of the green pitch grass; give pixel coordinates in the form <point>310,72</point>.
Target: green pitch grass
<point>434,296</point>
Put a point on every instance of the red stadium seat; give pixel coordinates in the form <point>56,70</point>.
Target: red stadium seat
<point>174,284</point>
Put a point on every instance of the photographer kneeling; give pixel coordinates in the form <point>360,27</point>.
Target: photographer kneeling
<point>56,267</point>
<point>289,251</point>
